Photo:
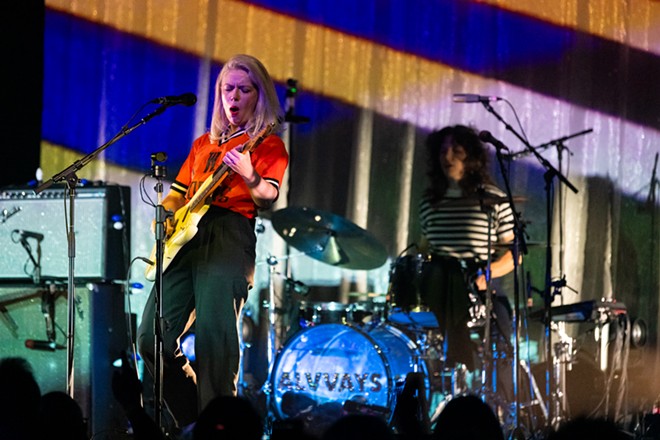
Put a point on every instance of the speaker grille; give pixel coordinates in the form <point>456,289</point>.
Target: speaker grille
<point>102,234</point>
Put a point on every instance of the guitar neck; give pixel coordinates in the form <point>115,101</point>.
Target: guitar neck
<point>214,180</point>
<point>208,186</point>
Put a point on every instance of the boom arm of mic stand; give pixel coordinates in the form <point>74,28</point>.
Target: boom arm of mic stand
<point>565,138</point>
<point>69,176</point>
<point>552,170</point>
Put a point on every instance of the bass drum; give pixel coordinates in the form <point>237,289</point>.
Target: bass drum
<point>329,370</point>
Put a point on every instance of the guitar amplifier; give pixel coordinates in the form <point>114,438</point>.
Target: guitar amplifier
<point>34,229</point>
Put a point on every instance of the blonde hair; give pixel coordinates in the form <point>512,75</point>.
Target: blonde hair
<point>267,109</point>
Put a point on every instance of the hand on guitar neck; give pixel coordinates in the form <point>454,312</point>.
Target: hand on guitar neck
<point>183,226</point>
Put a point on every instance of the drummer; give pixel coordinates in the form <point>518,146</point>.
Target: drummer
<point>454,218</point>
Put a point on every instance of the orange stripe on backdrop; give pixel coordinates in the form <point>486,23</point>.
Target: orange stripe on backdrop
<point>185,23</point>
<point>328,62</point>
<point>635,23</point>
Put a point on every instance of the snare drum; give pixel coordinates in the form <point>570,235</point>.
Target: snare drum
<point>328,370</point>
<point>366,312</point>
<point>315,313</point>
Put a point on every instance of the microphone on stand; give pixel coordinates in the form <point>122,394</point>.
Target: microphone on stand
<point>28,234</point>
<point>486,136</point>
<point>43,345</point>
<point>297,286</point>
<point>186,99</point>
<point>470,98</point>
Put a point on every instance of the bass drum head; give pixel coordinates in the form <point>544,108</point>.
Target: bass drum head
<point>326,371</point>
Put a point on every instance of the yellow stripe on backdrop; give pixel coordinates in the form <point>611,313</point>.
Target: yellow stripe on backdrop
<point>635,23</point>
<point>327,62</point>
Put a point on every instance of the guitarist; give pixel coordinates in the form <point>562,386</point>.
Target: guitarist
<point>208,280</point>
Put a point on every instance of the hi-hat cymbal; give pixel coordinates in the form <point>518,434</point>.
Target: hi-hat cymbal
<point>329,238</point>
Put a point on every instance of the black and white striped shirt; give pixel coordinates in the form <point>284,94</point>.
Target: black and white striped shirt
<point>459,229</point>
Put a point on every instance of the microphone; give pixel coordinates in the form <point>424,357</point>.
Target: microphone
<point>29,234</point>
<point>186,99</point>
<point>485,136</point>
<point>470,98</point>
<point>297,286</point>
<point>43,345</point>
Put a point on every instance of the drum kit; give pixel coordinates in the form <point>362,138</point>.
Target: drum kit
<point>355,358</point>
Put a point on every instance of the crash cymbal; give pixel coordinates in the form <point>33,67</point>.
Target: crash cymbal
<point>485,199</point>
<point>329,238</point>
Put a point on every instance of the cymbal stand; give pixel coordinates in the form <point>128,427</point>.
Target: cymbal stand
<point>271,347</point>
<point>489,369</point>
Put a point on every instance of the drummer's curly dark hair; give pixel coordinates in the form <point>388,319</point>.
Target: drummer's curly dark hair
<point>476,162</point>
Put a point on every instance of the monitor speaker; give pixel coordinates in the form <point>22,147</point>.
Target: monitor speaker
<point>100,335</point>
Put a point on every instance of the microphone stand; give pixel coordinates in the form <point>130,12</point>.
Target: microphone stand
<point>550,174</point>
<point>518,244</point>
<point>159,172</point>
<point>68,175</point>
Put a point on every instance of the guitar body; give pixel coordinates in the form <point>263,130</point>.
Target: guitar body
<point>187,217</point>
<point>185,227</point>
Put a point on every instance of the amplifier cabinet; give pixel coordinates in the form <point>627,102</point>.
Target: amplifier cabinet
<point>34,228</point>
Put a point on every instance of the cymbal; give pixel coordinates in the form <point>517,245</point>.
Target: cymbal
<point>485,199</point>
<point>329,238</point>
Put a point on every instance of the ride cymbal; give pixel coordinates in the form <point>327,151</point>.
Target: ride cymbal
<point>329,238</point>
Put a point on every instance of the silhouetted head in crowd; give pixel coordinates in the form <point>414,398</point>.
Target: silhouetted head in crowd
<point>19,399</point>
<point>585,428</point>
<point>358,427</point>
<point>228,417</point>
<point>467,418</point>
<point>61,417</point>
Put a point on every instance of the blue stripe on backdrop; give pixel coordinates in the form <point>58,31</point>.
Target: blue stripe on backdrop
<point>500,44</point>
<point>124,71</point>
<point>457,33</point>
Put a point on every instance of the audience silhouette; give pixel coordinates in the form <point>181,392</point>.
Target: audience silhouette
<point>228,418</point>
<point>467,418</point>
<point>60,416</point>
<point>127,390</point>
<point>359,427</point>
<point>26,415</point>
<point>586,428</point>
<point>19,401</point>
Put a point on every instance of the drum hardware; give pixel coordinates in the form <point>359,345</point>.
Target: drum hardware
<point>564,360</point>
<point>272,340</point>
<point>315,313</point>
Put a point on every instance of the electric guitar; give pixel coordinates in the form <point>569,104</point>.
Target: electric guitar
<point>185,220</point>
